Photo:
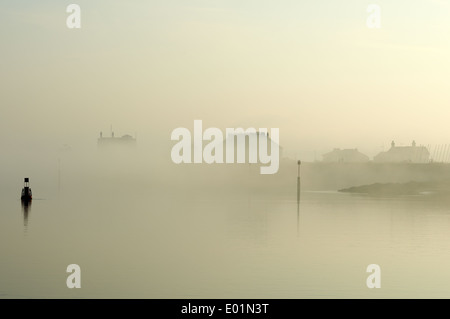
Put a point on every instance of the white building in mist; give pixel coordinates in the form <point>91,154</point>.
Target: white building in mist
<point>404,154</point>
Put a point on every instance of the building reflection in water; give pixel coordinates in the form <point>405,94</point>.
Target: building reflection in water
<point>26,207</point>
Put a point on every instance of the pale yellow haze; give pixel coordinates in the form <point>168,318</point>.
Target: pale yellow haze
<point>313,69</point>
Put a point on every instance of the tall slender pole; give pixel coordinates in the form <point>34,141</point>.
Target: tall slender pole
<point>59,176</point>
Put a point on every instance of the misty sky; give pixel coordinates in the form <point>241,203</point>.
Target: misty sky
<point>311,68</point>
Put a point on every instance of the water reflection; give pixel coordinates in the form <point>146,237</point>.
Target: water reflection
<point>298,197</point>
<point>26,207</point>
<point>298,215</point>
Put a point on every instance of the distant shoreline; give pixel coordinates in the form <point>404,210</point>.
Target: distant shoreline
<point>409,188</point>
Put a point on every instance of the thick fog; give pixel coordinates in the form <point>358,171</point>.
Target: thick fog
<point>315,72</point>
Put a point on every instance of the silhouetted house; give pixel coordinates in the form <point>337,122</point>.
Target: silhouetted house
<point>345,156</point>
<point>404,154</point>
<point>114,142</point>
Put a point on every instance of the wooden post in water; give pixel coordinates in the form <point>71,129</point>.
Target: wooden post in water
<point>59,176</point>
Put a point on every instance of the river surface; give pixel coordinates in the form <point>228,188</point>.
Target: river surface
<point>132,240</point>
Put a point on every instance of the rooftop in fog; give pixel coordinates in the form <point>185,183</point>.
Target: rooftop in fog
<point>124,140</point>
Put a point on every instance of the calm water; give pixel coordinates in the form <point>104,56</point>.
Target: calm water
<point>134,240</point>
